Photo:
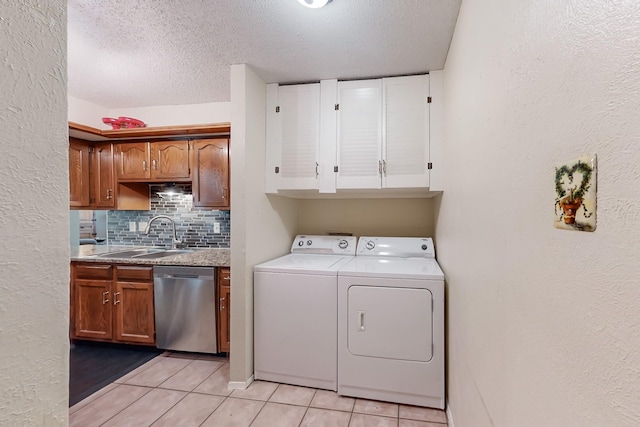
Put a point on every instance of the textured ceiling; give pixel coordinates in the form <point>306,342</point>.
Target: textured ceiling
<point>135,53</point>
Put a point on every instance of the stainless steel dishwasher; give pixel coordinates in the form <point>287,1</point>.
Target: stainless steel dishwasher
<point>185,308</point>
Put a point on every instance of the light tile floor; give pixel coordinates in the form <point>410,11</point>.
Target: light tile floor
<point>175,389</point>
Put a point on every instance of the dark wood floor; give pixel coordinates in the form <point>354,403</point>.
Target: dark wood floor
<point>95,365</point>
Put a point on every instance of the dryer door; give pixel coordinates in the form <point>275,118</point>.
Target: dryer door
<point>391,323</point>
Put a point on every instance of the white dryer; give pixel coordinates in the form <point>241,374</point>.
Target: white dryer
<point>391,323</point>
<point>295,312</point>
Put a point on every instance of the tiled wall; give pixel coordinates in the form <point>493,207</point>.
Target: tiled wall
<point>194,226</point>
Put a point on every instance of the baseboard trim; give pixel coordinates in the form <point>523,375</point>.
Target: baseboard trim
<point>449,416</point>
<point>239,385</point>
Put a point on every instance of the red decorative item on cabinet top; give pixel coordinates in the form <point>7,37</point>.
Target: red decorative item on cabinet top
<point>123,122</point>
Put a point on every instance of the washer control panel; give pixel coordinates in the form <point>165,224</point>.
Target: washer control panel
<point>339,245</point>
<point>402,247</point>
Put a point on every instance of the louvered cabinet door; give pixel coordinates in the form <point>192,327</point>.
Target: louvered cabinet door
<point>359,134</point>
<point>405,149</point>
<point>300,135</point>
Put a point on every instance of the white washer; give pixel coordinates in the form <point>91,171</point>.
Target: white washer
<point>391,322</point>
<point>295,312</point>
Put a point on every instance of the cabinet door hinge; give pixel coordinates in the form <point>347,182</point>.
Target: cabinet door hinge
<point>336,107</point>
<point>278,109</point>
<point>335,169</point>
<point>428,100</point>
<point>429,165</point>
<point>277,169</point>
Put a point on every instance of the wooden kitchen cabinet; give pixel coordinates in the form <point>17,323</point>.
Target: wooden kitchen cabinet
<point>224,306</point>
<point>153,161</point>
<point>78,173</point>
<point>133,161</point>
<point>133,302</point>
<point>170,160</point>
<point>91,306</point>
<point>210,159</point>
<point>113,303</point>
<point>101,176</point>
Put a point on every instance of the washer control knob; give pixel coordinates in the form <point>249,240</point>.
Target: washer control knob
<point>425,247</point>
<point>370,244</point>
<point>308,242</point>
<point>300,243</point>
<point>342,244</point>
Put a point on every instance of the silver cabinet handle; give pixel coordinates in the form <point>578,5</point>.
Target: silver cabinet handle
<point>154,164</point>
<point>316,169</point>
<point>221,307</point>
<point>104,297</point>
<point>379,167</point>
<point>116,301</point>
<point>224,193</point>
<point>226,278</point>
<point>384,167</point>
<point>109,193</point>
<point>144,165</point>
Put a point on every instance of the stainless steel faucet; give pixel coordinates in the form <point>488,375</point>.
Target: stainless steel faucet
<point>176,242</point>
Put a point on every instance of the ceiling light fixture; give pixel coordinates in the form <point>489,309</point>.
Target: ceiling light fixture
<point>314,4</point>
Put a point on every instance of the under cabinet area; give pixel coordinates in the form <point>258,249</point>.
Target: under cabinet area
<point>112,303</point>
<point>349,136</point>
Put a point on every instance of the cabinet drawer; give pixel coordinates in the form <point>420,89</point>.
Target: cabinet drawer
<point>93,271</point>
<point>224,276</point>
<point>134,273</point>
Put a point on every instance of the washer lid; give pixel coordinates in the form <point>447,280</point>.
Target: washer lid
<point>401,268</point>
<point>305,264</point>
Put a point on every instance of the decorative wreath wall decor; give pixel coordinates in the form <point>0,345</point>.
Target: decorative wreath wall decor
<point>573,185</point>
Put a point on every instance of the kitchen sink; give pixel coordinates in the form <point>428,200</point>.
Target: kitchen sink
<point>160,254</point>
<point>145,253</point>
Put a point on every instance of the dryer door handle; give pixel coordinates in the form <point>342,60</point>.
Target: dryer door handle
<point>361,327</point>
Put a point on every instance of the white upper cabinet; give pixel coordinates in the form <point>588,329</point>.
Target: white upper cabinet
<point>345,136</point>
<point>405,134</point>
<point>293,135</point>
<point>359,134</point>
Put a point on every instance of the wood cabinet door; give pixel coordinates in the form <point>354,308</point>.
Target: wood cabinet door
<point>134,314</point>
<point>92,309</point>
<point>211,173</point>
<point>78,173</point>
<point>133,161</point>
<point>170,160</point>
<point>224,310</point>
<point>102,177</point>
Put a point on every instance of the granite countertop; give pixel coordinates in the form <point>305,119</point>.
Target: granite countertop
<point>200,257</point>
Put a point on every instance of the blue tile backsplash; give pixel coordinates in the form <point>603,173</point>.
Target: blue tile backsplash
<point>194,226</point>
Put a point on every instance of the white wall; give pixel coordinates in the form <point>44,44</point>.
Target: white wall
<point>262,227</point>
<point>90,114</point>
<point>543,324</point>
<point>86,113</point>
<point>368,217</point>
<point>175,115</point>
<point>34,222</point>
